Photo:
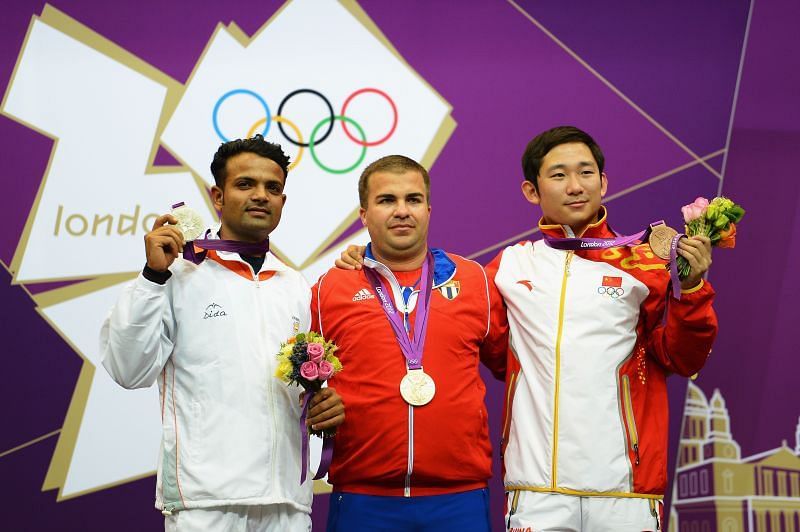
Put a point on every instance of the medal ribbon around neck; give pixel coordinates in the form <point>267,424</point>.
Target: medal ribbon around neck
<point>575,244</point>
<point>412,349</point>
<point>190,253</point>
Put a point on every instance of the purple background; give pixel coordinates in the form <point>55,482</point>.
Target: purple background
<point>506,80</point>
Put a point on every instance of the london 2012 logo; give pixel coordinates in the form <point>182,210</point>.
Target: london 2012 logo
<point>335,104</point>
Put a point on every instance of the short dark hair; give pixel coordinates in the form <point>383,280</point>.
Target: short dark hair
<point>546,141</point>
<point>257,145</point>
<point>391,163</point>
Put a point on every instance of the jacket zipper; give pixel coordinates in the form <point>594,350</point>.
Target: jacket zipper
<point>270,391</point>
<point>633,435</point>
<point>554,470</point>
<point>410,457</point>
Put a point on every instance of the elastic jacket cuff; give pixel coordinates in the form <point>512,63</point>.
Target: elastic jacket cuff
<point>155,276</point>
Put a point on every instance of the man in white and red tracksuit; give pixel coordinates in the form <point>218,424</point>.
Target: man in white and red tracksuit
<point>594,334</point>
<point>399,465</point>
<point>207,332</point>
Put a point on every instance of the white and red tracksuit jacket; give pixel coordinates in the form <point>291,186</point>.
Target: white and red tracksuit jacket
<point>586,400</point>
<point>385,446</point>
<point>209,338</point>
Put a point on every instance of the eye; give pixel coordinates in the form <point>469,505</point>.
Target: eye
<point>242,184</point>
<point>557,175</point>
<point>588,172</point>
<point>275,188</point>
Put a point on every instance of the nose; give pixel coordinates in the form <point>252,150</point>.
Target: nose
<point>260,194</point>
<point>574,184</point>
<point>401,211</point>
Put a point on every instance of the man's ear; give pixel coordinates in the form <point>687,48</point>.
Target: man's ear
<point>217,197</point>
<point>530,192</point>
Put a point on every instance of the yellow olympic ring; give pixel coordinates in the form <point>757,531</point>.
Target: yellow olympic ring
<point>289,123</point>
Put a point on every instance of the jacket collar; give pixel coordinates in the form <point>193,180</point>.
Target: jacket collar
<point>271,262</point>
<point>598,229</point>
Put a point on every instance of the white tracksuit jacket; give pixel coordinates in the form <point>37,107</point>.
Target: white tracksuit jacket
<point>209,337</point>
<point>586,399</point>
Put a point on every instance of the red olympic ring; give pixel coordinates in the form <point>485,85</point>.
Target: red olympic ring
<point>394,123</point>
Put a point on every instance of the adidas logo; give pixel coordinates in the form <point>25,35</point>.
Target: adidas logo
<point>363,295</point>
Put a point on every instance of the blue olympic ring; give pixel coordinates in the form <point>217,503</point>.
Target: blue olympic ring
<point>227,95</point>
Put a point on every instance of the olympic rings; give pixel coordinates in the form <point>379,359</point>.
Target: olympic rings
<point>311,143</point>
<point>281,120</point>
<point>394,121</point>
<point>614,292</point>
<point>300,140</point>
<point>267,121</point>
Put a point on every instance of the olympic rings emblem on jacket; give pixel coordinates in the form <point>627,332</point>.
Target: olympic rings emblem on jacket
<point>612,291</point>
<point>317,137</point>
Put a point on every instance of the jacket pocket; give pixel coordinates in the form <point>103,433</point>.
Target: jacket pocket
<point>633,435</point>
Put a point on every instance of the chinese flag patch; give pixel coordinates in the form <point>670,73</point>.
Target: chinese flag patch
<point>616,282</point>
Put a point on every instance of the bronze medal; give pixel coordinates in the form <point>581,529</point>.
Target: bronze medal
<point>417,388</point>
<point>661,240</point>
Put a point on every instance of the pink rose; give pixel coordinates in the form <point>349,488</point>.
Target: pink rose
<point>315,352</point>
<point>325,370</point>
<point>694,210</point>
<point>309,371</point>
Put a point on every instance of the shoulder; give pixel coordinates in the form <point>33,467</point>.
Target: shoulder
<point>336,278</point>
<point>464,265</point>
<point>519,249</point>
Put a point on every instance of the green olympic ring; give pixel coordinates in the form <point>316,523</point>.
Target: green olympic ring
<point>311,143</point>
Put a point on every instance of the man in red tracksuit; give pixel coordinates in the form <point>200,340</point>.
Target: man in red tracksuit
<point>415,455</point>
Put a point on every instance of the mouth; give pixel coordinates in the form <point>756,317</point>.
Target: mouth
<point>577,204</point>
<point>258,211</point>
<point>401,227</point>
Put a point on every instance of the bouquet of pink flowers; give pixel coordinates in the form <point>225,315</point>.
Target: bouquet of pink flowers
<point>307,360</point>
<point>716,219</point>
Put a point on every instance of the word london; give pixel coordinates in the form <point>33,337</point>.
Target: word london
<point>79,225</point>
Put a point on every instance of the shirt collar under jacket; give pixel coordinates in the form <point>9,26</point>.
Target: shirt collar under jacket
<point>443,266</point>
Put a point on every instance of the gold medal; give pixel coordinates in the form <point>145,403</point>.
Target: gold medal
<point>661,240</point>
<point>417,387</point>
<point>190,223</point>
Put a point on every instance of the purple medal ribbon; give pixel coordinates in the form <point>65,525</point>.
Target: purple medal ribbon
<point>249,249</point>
<point>327,445</point>
<point>412,350</point>
<point>673,265</point>
<point>575,244</point>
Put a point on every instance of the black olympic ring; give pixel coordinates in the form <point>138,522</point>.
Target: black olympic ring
<point>330,110</point>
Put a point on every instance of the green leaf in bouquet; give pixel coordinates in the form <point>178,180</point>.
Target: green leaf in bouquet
<point>721,221</point>
<point>735,213</point>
